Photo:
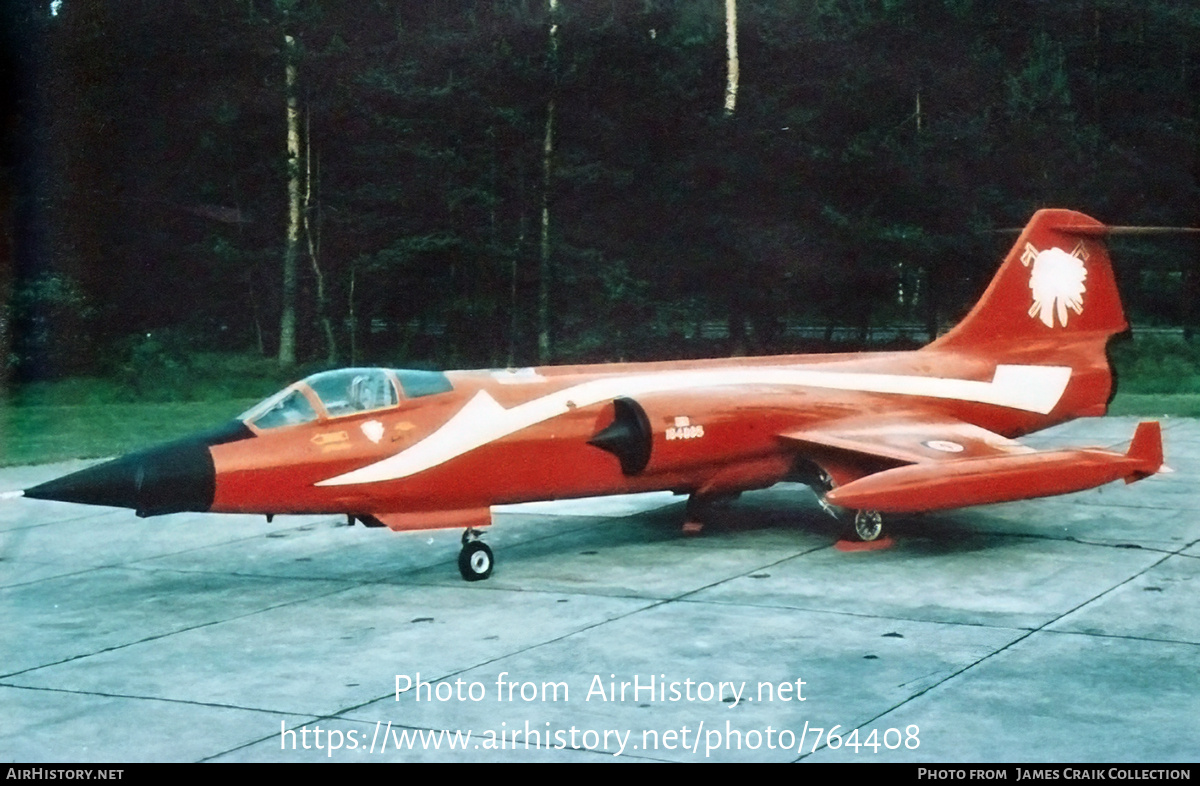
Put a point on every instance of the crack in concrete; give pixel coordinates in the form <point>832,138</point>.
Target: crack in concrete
<point>1009,645</point>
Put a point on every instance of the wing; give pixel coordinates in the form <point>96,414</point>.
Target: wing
<point>908,439</point>
<point>910,465</point>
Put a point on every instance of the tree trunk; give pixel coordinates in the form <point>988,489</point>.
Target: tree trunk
<point>314,247</point>
<point>544,264</point>
<point>352,315</point>
<point>731,59</point>
<point>517,254</point>
<point>254,311</point>
<point>738,278</point>
<point>287,321</point>
<point>544,271</point>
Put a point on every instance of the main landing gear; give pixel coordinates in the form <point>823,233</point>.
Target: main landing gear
<point>475,561</point>
<point>700,510</point>
<point>868,525</point>
<point>861,525</point>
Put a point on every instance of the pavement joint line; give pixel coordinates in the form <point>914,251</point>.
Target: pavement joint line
<point>922,677</point>
<point>5,587</point>
<point>80,517</point>
<point>1009,645</point>
<point>490,587</point>
<point>238,574</point>
<point>135,563</point>
<point>387,582</point>
<point>164,699</point>
<point>859,614</point>
<point>444,584</point>
<point>177,631</point>
<point>1051,502</point>
<point>437,582</point>
<point>1084,542</point>
<point>182,571</point>
<point>1126,636</point>
<point>651,604</point>
<point>538,746</point>
<point>353,582</point>
<point>431,581</point>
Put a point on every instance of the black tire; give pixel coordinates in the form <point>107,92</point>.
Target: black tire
<point>475,561</point>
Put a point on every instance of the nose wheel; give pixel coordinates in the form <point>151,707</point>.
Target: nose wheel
<point>475,561</point>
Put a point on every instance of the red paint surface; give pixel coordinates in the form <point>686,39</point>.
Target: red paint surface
<point>883,543</point>
<point>874,445</point>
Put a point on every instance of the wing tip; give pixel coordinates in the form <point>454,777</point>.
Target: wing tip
<point>1146,450</point>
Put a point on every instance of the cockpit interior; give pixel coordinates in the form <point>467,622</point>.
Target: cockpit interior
<point>344,392</point>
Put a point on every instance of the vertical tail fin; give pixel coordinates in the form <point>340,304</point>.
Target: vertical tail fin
<point>1053,302</point>
<point>1055,284</point>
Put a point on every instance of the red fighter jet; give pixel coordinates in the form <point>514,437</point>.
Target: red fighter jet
<point>873,433</point>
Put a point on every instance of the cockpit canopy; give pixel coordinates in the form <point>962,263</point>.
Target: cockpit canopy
<point>347,391</point>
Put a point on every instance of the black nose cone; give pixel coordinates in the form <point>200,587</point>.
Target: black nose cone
<point>168,479</point>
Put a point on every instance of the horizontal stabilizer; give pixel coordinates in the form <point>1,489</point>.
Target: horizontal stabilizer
<point>981,481</point>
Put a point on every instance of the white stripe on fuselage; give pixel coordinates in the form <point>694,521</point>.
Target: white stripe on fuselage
<point>482,420</point>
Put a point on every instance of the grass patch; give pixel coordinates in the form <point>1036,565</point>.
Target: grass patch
<point>203,376</point>
<point>150,399</point>
<point>1157,364</point>
<point>1157,376</point>
<point>44,434</point>
<point>1156,405</point>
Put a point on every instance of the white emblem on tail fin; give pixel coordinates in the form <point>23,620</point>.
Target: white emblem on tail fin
<point>1056,280</point>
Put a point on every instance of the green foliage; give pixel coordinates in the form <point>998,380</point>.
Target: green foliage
<point>51,313</point>
<point>874,144</point>
<point>1157,405</point>
<point>37,433</point>
<point>162,370</point>
<point>1158,365</point>
<point>1040,88</point>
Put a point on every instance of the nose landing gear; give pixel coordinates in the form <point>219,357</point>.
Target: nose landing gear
<point>475,561</point>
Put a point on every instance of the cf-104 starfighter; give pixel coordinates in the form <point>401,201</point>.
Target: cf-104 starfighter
<point>874,433</point>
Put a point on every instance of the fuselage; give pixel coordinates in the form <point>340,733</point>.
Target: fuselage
<point>491,437</point>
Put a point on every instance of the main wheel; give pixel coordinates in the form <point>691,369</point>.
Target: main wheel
<point>475,561</point>
<point>868,525</point>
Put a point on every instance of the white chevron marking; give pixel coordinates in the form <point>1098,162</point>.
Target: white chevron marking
<point>482,420</point>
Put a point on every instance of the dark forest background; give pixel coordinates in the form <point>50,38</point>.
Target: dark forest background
<point>875,148</point>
